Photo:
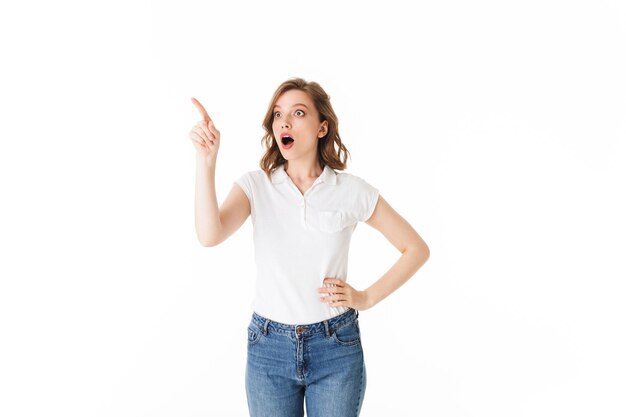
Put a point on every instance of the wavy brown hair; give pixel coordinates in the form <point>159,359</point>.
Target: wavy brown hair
<point>326,152</point>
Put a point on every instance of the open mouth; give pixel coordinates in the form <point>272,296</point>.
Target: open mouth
<point>287,141</point>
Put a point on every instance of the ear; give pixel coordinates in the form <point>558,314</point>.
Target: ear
<point>323,129</point>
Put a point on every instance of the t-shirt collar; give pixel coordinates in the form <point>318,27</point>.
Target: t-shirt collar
<point>329,176</point>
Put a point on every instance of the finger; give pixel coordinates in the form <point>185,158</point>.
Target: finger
<point>329,294</point>
<point>198,142</point>
<point>203,138</point>
<point>334,298</point>
<point>333,290</point>
<point>212,128</point>
<point>206,135</point>
<point>201,133</point>
<point>197,138</point>
<point>205,129</point>
<point>201,109</point>
<point>328,291</point>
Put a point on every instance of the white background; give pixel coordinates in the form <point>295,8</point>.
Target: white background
<point>497,129</point>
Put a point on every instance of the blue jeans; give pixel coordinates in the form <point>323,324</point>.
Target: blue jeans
<point>321,363</point>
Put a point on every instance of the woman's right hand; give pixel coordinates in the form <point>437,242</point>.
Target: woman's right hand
<point>204,136</point>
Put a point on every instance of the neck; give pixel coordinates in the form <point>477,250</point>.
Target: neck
<point>303,171</point>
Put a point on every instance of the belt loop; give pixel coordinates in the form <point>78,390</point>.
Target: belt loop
<point>357,313</point>
<point>267,322</point>
<point>326,328</point>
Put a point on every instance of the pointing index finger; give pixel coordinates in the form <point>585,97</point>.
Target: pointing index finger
<point>201,109</point>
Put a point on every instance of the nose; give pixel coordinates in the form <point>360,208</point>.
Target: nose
<point>284,123</point>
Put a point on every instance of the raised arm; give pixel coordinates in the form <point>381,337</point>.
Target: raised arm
<point>206,139</point>
<point>213,224</point>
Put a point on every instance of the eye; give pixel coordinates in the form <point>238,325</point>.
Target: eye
<point>297,112</point>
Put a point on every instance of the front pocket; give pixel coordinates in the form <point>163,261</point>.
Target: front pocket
<point>330,221</point>
<point>347,335</point>
<point>254,334</point>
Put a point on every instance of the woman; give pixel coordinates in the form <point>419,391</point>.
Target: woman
<point>304,339</point>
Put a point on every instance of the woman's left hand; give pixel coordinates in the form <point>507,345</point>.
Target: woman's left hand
<point>344,295</point>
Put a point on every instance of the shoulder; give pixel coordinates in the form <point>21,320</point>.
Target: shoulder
<point>346,177</point>
<point>359,195</point>
<point>353,181</point>
<point>254,179</point>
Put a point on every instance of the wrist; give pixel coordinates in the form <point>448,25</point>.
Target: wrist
<point>205,162</point>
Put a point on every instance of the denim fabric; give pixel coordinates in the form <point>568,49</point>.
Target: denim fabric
<point>321,364</point>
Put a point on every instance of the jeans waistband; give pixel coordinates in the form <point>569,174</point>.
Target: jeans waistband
<point>267,325</point>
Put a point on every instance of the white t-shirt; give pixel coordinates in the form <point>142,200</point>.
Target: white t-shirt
<point>301,239</point>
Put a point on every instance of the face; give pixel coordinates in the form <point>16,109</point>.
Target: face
<point>296,115</point>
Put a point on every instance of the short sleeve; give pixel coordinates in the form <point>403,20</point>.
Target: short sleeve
<point>367,197</point>
<point>246,185</point>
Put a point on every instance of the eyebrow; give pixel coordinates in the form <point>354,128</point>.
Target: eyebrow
<point>297,104</point>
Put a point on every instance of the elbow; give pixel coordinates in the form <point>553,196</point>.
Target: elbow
<point>425,251</point>
<point>208,238</point>
<point>420,250</point>
<point>208,243</point>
